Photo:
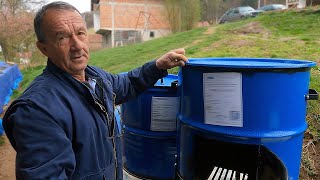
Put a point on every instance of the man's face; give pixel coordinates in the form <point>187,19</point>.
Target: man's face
<point>66,41</point>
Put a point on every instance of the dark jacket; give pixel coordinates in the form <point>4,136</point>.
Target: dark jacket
<point>62,129</point>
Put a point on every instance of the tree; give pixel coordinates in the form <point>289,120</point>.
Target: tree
<point>173,15</point>
<point>212,10</point>
<point>16,28</point>
<point>190,13</point>
<point>182,14</point>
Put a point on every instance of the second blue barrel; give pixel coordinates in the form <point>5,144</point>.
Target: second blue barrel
<point>149,131</point>
<point>242,114</point>
<point>149,155</point>
<point>155,109</point>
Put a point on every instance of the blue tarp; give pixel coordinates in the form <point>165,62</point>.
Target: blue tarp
<point>10,77</point>
<point>1,128</point>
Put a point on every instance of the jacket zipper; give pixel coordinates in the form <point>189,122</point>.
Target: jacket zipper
<point>110,129</point>
<point>111,135</point>
<point>114,136</point>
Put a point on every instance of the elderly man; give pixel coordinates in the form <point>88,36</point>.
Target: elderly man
<point>62,126</point>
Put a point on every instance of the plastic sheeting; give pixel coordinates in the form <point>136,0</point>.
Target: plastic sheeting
<point>1,128</point>
<point>10,77</point>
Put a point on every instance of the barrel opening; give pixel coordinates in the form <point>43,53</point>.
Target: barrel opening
<point>213,159</point>
<point>221,173</point>
<point>210,153</point>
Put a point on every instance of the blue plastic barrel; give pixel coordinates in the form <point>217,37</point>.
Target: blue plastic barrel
<point>149,127</point>
<point>258,103</point>
<point>155,109</point>
<point>149,155</point>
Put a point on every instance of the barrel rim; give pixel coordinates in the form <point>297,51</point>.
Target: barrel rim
<point>247,63</point>
<point>235,131</point>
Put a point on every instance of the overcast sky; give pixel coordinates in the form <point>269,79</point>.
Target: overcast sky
<point>81,5</point>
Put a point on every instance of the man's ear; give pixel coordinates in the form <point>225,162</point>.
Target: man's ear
<point>43,48</point>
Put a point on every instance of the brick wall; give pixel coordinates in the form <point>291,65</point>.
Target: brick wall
<point>131,21</point>
<point>128,14</point>
<point>95,41</point>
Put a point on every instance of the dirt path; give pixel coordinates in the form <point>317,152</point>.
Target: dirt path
<point>7,161</point>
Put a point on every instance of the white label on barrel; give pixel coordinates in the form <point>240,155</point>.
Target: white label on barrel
<point>222,95</point>
<point>164,112</point>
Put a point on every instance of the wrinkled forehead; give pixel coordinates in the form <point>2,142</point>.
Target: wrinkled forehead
<point>61,18</point>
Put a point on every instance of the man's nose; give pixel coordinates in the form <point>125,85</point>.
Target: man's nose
<point>76,43</point>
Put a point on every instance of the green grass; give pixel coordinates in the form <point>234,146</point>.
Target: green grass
<point>1,140</point>
<point>293,23</point>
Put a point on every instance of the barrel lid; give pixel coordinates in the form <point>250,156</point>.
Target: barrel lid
<point>167,81</point>
<point>264,63</point>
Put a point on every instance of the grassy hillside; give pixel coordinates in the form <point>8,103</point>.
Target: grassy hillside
<point>287,34</point>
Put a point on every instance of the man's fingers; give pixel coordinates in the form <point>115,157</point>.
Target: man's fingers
<point>180,51</point>
<point>172,59</point>
<point>182,63</point>
<point>182,57</point>
<point>177,62</point>
<point>177,57</point>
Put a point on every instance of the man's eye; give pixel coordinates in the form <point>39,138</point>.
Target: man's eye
<point>81,33</point>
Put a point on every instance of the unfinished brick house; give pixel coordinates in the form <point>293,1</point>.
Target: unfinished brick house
<point>123,22</point>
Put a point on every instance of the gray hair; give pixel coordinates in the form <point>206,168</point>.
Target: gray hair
<point>38,20</point>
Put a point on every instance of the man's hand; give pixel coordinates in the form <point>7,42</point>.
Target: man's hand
<point>172,59</point>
